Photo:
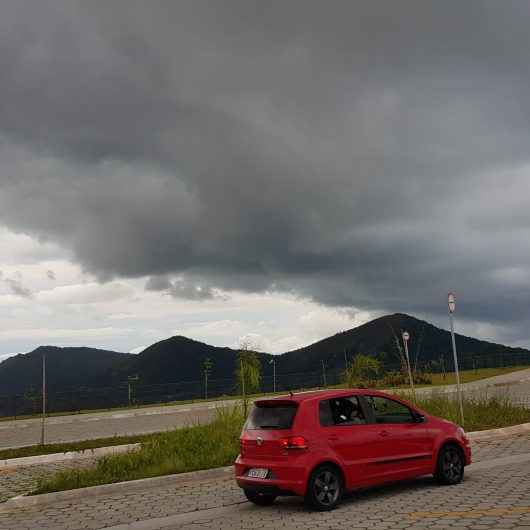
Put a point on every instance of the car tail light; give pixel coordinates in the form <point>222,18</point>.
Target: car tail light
<point>243,443</point>
<point>294,442</point>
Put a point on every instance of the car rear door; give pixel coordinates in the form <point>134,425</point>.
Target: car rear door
<point>400,443</point>
<point>349,435</point>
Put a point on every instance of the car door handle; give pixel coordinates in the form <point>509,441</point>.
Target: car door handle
<point>333,437</point>
<point>383,433</point>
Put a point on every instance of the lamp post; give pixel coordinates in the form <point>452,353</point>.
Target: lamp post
<point>324,373</point>
<point>406,338</point>
<point>206,366</point>
<point>451,304</point>
<point>43,399</point>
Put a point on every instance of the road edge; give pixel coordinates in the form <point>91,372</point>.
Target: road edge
<point>68,455</point>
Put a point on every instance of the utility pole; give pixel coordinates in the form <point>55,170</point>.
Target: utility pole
<point>405,335</point>
<point>43,398</point>
<point>451,304</point>
<point>273,362</point>
<point>324,373</point>
<point>243,392</point>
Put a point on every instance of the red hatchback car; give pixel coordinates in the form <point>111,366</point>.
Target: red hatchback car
<point>322,444</point>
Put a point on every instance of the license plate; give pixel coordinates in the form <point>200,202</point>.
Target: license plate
<point>257,472</point>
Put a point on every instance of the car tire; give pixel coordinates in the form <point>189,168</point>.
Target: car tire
<point>261,499</point>
<point>450,465</point>
<point>324,488</point>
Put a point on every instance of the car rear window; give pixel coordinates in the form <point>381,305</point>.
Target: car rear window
<point>271,417</point>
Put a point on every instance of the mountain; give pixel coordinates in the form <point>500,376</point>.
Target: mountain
<point>172,368</point>
<point>179,359</point>
<point>65,367</point>
<point>378,337</point>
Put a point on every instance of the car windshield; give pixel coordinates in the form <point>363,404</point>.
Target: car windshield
<point>271,417</point>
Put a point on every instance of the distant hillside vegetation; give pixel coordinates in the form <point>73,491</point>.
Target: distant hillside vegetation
<point>65,367</point>
<point>377,337</point>
<point>178,359</point>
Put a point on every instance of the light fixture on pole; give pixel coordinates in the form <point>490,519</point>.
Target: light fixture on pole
<point>405,335</point>
<point>451,305</point>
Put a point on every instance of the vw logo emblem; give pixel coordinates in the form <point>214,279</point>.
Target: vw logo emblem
<point>259,440</point>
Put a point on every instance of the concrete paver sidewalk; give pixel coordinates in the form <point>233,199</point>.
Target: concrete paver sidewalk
<point>218,503</point>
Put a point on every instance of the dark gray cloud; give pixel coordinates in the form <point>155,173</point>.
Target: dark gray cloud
<point>365,154</point>
<point>16,286</point>
<point>181,288</point>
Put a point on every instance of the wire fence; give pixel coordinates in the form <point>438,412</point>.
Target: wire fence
<point>136,393</point>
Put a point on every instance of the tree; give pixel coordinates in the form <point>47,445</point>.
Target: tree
<point>361,370</point>
<point>248,373</point>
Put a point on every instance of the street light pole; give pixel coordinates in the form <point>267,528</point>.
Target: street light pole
<point>274,375</point>
<point>451,304</point>
<point>324,373</point>
<point>43,398</point>
<point>406,338</point>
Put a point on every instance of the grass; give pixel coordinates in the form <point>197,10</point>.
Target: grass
<point>187,449</point>
<point>468,376</point>
<point>217,444</point>
<point>480,412</point>
<point>46,449</point>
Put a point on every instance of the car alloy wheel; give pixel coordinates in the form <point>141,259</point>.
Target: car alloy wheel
<point>324,488</point>
<point>450,468</point>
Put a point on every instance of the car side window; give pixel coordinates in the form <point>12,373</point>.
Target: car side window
<point>389,411</point>
<point>341,411</point>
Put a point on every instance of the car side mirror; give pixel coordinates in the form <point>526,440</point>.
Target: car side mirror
<point>419,418</point>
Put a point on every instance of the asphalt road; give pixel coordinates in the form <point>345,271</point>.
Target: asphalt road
<point>152,419</point>
<point>495,494</point>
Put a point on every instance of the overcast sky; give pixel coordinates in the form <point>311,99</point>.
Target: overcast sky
<point>278,170</point>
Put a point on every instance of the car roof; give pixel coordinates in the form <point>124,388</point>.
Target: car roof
<point>312,395</point>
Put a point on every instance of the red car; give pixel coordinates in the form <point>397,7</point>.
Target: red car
<point>322,444</point>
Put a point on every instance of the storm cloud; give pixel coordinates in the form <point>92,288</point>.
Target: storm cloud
<point>372,155</point>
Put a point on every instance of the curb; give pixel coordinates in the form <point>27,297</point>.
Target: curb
<point>492,434</point>
<point>69,455</point>
<point>192,476</point>
<point>23,501</point>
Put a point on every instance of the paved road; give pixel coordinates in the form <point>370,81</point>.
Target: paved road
<point>145,420</point>
<point>495,494</point>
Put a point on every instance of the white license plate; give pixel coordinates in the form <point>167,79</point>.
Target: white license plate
<point>257,472</point>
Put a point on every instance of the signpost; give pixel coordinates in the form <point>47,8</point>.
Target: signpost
<point>451,304</point>
<point>405,335</point>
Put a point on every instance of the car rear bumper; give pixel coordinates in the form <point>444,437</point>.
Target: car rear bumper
<point>286,478</point>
